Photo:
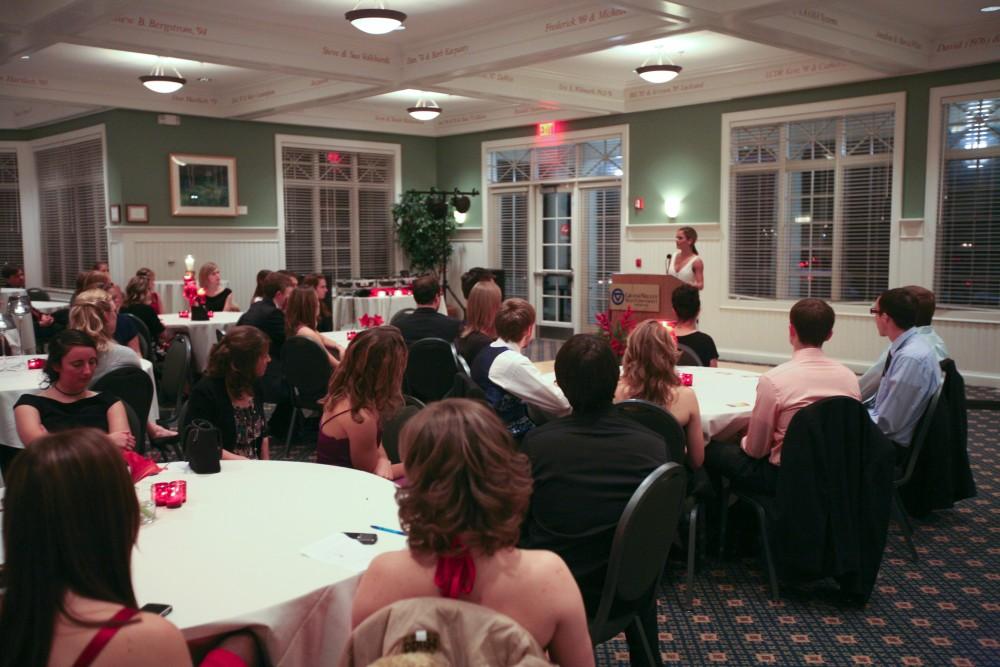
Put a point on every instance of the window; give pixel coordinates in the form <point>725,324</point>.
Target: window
<point>72,209</point>
<point>967,261</point>
<point>11,250</point>
<point>602,244</point>
<point>337,207</point>
<point>810,206</point>
<point>510,210</point>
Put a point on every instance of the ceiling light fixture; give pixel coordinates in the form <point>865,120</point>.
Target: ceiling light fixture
<point>990,8</point>
<point>162,83</point>
<point>376,21</point>
<point>25,57</point>
<point>658,73</point>
<point>425,110</point>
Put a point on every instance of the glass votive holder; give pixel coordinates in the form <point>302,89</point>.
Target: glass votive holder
<point>184,313</point>
<point>211,314</point>
<point>35,364</point>
<point>687,379</point>
<point>147,512</point>
<point>177,493</point>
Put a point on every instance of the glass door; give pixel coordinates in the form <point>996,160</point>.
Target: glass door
<point>556,274</point>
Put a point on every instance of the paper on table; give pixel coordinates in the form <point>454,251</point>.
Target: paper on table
<point>339,549</point>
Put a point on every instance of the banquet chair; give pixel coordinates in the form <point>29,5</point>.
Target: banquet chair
<point>38,294</point>
<point>661,422</point>
<point>307,369</point>
<point>136,426</point>
<point>688,356</point>
<point>638,556</point>
<point>393,427</point>
<point>430,369</point>
<point>133,387</point>
<point>174,373</point>
<point>400,315</point>
<point>146,343</point>
<point>905,472</point>
<point>219,335</point>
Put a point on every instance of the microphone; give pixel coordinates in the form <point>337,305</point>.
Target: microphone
<point>669,257</point>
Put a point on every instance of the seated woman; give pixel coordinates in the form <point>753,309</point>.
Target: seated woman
<point>229,394</point>
<point>69,598</point>
<point>139,302</point>
<point>365,389</point>
<point>301,314</point>
<point>649,373</point>
<point>216,298</point>
<point>66,402</point>
<point>126,332</point>
<point>93,312</point>
<point>687,305</point>
<point>467,493</point>
<point>154,296</point>
<point>481,311</point>
<point>258,293</point>
<point>318,282</point>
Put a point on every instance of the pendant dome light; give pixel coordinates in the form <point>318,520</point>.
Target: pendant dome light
<point>158,82</point>
<point>376,21</point>
<point>660,72</point>
<point>425,110</point>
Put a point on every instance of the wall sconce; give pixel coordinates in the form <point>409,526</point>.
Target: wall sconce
<point>672,207</point>
<point>459,217</point>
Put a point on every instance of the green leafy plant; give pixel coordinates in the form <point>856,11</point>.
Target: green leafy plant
<point>425,239</point>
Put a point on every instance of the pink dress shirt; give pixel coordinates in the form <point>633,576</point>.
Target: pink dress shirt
<point>785,389</point>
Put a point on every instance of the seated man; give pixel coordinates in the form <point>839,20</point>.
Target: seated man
<point>13,276</point>
<point>426,321</point>
<point>925,315</point>
<point>911,373</point>
<point>268,316</point>
<point>474,275</point>
<point>752,465</point>
<point>586,466</point>
<point>508,377</point>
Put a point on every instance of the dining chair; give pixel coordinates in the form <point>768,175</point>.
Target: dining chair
<point>174,373</point>
<point>307,369</point>
<point>688,356</point>
<point>431,368</point>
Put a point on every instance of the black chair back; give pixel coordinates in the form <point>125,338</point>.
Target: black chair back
<point>132,386</point>
<point>658,420</point>
<point>146,343</point>
<point>639,552</point>
<point>38,294</point>
<point>400,315</point>
<point>430,369</point>
<point>307,369</point>
<point>137,427</point>
<point>393,427</point>
<point>174,374</point>
<point>688,356</point>
<point>219,335</point>
<point>920,435</point>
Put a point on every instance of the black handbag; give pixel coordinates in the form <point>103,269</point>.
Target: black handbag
<point>204,447</point>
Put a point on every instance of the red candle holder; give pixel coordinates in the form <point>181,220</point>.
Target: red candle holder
<point>211,314</point>
<point>184,313</point>
<point>687,379</point>
<point>169,494</point>
<point>35,364</point>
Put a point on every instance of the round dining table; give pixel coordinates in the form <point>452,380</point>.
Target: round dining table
<point>233,555</point>
<point>348,309</point>
<point>16,379</point>
<point>201,332</point>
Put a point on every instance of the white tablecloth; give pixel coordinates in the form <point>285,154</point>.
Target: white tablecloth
<point>231,556</point>
<point>14,383</point>
<point>348,309</point>
<point>725,398</point>
<point>49,306</point>
<point>172,294</point>
<point>202,334</point>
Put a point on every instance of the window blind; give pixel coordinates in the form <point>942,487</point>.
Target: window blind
<point>338,217</point>
<point>810,208</point>
<point>967,266</point>
<point>561,162</point>
<point>73,212</point>
<point>602,246</point>
<point>11,250</point>
<point>511,214</point>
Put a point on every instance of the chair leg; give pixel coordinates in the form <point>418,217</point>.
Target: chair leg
<point>723,515</point>
<point>291,429</point>
<point>692,552</point>
<point>904,523</point>
<point>647,657</point>
<point>768,558</point>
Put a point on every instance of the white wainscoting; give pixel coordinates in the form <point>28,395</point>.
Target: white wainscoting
<point>239,251</point>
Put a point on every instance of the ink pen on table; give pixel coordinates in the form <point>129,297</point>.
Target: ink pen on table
<point>388,530</point>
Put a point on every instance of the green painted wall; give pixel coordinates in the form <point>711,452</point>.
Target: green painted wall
<point>138,147</point>
<point>678,149</point>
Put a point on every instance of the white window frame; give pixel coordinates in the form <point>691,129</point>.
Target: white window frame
<point>332,144</point>
<point>489,189</point>
<point>932,189</point>
<point>895,102</point>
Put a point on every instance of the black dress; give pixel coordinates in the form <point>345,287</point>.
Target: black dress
<point>702,344</point>
<point>86,413</point>
<point>471,345</point>
<point>148,316</point>
<point>217,303</point>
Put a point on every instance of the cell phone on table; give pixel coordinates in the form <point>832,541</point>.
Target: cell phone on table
<point>364,538</point>
<point>157,608</point>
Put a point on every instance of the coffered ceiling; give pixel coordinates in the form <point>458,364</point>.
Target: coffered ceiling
<point>488,64</point>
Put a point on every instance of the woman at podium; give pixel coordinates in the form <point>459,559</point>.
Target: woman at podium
<point>687,265</point>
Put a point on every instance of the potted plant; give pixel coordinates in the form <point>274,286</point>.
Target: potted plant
<point>424,237</point>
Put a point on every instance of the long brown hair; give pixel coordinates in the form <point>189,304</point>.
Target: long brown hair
<point>70,521</point>
<point>649,367</point>
<point>465,478</point>
<point>484,302</point>
<point>235,357</point>
<point>88,314</point>
<point>312,280</point>
<point>301,309</point>
<point>206,269</point>
<point>691,234</point>
<point>138,289</point>
<point>370,375</point>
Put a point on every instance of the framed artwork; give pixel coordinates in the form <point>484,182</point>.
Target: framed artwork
<point>116,214</point>
<point>202,185</point>
<point>136,213</point>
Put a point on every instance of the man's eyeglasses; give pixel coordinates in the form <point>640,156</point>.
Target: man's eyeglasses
<point>874,311</point>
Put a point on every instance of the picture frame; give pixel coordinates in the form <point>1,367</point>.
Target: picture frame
<point>137,213</point>
<point>116,214</point>
<point>202,185</point>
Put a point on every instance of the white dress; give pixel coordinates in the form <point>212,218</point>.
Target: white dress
<point>686,274</point>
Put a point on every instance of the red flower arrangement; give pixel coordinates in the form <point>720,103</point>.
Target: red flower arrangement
<point>195,295</point>
<point>617,333</point>
<point>368,321</point>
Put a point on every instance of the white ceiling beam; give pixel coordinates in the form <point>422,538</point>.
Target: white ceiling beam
<point>520,87</point>
<point>39,27</point>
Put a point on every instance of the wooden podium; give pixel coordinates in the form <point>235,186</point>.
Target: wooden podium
<point>648,294</point>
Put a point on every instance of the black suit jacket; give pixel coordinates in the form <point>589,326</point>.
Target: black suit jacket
<point>425,322</point>
<point>268,318</point>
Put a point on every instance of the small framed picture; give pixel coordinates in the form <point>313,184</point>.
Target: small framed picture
<point>116,214</point>
<point>202,185</point>
<point>136,213</point>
